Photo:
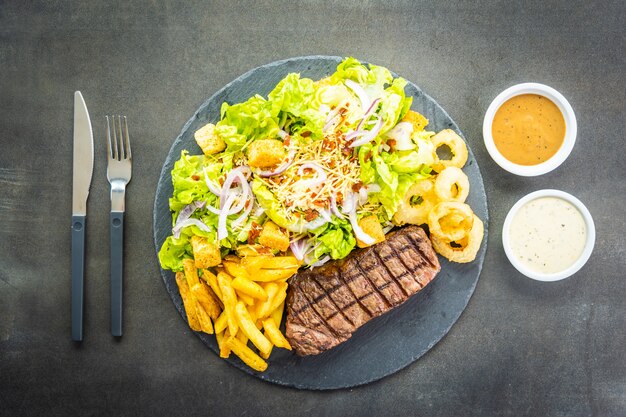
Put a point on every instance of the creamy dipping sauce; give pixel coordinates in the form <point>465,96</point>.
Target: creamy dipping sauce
<point>548,234</point>
<point>528,129</point>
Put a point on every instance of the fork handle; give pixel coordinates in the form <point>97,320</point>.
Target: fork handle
<point>117,267</point>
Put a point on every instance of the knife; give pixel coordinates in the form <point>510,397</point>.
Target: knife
<point>82,171</point>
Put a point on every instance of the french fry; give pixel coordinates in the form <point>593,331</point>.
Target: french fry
<point>229,300</point>
<point>188,302</point>
<point>221,323</point>
<point>204,319</point>
<point>252,250</point>
<point>263,310</point>
<point>270,275</point>
<point>241,336</point>
<point>281,262</point>
<point>279,298</point>
<point>277,314</point>
<point>222,337</point>
<point>254,263</point>
<point>211,279</point>
<point>250,288</point>
<point>247,325</point>
<point>274,334</point>
<point>191,272</point>
<point>246,354</point>
<point>245,298</point>
<point>207,298</point>
<point>264,356</point>
<point>235,269</point>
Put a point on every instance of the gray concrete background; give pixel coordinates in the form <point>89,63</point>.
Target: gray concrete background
<point>520,348</point>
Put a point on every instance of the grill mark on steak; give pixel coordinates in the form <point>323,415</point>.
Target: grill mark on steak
<point>391,272</point>
<point>365,274</point>
<point>325,306</point>
<point>327,295</point>
<point>408,271</point>
<point>418,244</point>
<point>312,307</point>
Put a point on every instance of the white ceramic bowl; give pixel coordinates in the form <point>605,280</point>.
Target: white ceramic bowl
<point>584,256</point>
<point>570,129</point>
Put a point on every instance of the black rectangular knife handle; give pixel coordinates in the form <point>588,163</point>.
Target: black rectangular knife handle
<point>117,268</point>
<point>78,276</point>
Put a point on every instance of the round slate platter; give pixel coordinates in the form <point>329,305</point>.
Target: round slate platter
<point>385,344</point>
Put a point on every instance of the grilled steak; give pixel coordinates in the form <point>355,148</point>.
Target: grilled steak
<point>327,304</point>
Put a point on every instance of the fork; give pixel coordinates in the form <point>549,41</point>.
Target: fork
<point>119,171</point>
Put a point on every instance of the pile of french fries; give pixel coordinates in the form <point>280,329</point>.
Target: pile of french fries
<point>241,302</point>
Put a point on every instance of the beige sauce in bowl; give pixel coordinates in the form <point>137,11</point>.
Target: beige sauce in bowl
<point>548,234</point>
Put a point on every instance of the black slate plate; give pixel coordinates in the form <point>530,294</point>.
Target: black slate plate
<point>384,345</point>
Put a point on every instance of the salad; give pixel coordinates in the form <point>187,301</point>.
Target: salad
<point>316,168</point>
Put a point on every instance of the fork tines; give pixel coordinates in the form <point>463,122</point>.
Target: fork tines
<point>119,144</point>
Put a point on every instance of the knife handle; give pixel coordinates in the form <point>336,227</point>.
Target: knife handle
<point>117,268</point>
<point>78,276</point>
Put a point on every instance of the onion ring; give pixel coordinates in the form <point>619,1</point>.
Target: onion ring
<point>450,220</point>
<point>457,146</point>
<point>417,203</point>
<point>452,185</point>
<point>465,249</point>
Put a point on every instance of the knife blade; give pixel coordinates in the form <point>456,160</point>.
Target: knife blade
<point>81,180</point>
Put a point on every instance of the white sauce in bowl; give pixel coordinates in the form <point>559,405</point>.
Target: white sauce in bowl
<point>548,234</point>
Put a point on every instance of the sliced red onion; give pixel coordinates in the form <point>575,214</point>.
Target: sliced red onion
<point>185,214</point>
<point>282,134</point>
<point>235,174</point>
<point>246,213</point>
<point>368,113</point>
<point>360,234</point>
<point>371,134</point>
<point>349,202</point>
<point>213,210</point>
<point>189,222</point>
<point>212,187</point>
<point>222,231</point>
<point>320,262</point>
<point>319,171</point>
<point>334,208</point>
<point>243,198</point>
<point>357,133</point>
<point>299,248</point>
<point>282,168</point>
<point>326,215</point>
<point>362,195</point>
<point>330,119</point>
<point>360,92</point>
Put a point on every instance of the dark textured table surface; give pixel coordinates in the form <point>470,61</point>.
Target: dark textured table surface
<point>520,348</point>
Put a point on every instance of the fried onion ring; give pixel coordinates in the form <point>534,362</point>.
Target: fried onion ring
<point>417,203</point>
<point>450,220</point>
<point>457,146</point>
<point>452,185</point>
<point>465,249</point>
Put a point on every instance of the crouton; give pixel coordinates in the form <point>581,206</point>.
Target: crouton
<point>372,227</point>
<point>266,153</point>
<point>208,140</point>
<point>418,121</point>
<point>206,254</point>
<point>274,237</point>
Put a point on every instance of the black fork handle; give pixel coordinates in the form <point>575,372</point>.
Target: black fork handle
<point>117,268</point>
